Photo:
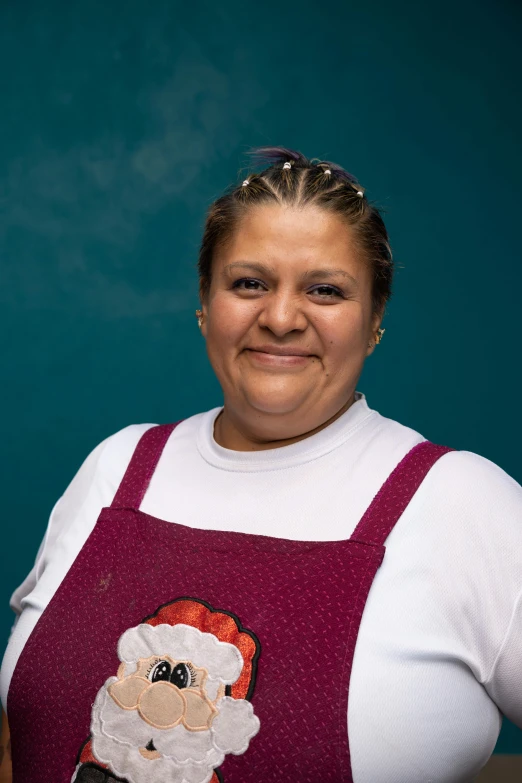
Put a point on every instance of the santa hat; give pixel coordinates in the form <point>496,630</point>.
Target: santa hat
<point>223,661</point>
<point>225,627</point>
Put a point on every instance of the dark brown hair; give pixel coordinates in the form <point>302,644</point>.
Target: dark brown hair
<point>321,183</point>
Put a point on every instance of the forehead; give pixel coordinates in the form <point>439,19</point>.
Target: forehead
<point>279,234</point>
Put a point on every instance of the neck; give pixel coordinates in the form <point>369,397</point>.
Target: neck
<point>232,432</point>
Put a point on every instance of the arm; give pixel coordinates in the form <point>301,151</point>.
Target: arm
<point>6,772</point>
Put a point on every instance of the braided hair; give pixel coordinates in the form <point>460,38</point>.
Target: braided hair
<point>290,179</point>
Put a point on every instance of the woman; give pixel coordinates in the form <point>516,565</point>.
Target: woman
<point>207,624</point>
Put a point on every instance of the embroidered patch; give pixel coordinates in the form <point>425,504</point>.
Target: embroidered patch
<point>179,702</point>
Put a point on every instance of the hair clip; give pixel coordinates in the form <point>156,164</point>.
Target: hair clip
<point>246,182</point>
<point>288,164</point>
<point>327,171</point>
<point>360,194</point>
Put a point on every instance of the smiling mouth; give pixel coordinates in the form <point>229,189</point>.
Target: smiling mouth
<point>277,351</point>
<point>149,752</point>
<point>277,358</point>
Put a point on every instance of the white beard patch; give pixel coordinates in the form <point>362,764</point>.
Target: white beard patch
<point>185,756</point>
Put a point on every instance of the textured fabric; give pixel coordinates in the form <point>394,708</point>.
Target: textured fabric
<point>303,601</point>
<point>141,467</point>
<point>395,494</point>
<point>439,648</point>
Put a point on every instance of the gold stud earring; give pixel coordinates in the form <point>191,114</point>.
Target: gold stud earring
<point>199,316</point>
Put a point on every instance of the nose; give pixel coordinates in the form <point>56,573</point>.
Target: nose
<point>162,705</point>
<point>282,313</point>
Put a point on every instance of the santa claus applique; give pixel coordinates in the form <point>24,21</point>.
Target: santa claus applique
<point>180,700</point>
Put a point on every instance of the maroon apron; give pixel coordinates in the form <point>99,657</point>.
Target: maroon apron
<point>171,654</point>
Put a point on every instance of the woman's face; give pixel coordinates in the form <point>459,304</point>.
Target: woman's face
<point>288,320</point>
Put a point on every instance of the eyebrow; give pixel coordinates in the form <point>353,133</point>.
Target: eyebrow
<point>255,266</point>
<point>314,274</point>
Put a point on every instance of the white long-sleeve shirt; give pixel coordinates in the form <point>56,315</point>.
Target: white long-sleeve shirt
<point>439,652</point>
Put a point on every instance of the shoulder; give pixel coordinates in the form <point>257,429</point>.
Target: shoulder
<point>106,463</point>
<point>103,469</point>
<point>464,476</point>
<point>95,483</point>
<point>472,513</point>
<point>459,481</point>
<point>75,513</point>
<point>115,452</point>
<point>460,484</point>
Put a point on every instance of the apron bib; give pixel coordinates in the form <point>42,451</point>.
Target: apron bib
<point>171,654</point>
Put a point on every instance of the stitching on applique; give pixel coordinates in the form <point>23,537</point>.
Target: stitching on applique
<point>84,776</point>
<point>186,700</point>
<point>181,699</point>
<point>241,629</point>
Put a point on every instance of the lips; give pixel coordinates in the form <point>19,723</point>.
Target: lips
<point>276,350</point>
<point>277,358</point>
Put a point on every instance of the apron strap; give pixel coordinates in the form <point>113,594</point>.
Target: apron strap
<point>396,492</point>
<point>141,467</point>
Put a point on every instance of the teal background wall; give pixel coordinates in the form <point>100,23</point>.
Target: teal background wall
<point>121,122</point>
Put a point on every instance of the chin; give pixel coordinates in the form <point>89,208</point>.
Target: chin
<point>275,404</point>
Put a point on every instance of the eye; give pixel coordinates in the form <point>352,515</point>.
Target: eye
<point>326,291</point>
<point>161,671</point>
<point>248,284</point>
<point>181,676</point>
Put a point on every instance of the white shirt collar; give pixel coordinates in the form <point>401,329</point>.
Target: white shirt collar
<point>304,450</point>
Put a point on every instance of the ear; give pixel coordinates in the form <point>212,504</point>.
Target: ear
<point>203,299</point>
<point>375,325</point>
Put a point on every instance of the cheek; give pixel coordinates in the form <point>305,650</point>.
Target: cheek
<point>228,322</point>
<point>345,335</point>
<point>221,339</point>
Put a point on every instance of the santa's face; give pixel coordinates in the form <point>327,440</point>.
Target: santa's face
<point>165,715</point>
<point>166,692</point>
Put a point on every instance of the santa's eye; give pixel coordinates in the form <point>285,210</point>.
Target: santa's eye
<point>161,671</point>
<point>181,675</point>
